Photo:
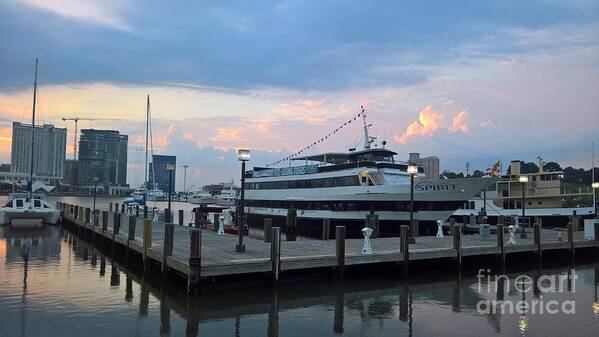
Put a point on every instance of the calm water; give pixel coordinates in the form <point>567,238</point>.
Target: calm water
<point>52,283</point>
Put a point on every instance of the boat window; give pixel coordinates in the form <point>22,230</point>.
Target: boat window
<point>37,203</point>
<point>9,204</point>
<point>19,202</point>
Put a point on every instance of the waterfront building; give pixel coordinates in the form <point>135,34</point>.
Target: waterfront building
<point>102,155</point>
<point>49,149</point>
<point>158,173</point>
<point>71,173</point>
<point>430,165</point>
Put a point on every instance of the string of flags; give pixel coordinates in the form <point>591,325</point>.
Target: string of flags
<point>322,139</point>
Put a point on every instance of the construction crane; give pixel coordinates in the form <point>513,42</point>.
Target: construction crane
<point>185,180</point>
<point>76,120</point>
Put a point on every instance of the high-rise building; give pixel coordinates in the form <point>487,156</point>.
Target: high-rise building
<point>49,149</point>
<point>429,164</point>
<point>159,173</point>
<point>102,155</point>
<point>71,172</point>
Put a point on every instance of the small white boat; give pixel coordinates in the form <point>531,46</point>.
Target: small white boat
<point>201,197</point>
<point>226,197</point>
<point>27,210</point>
<point>21,211</point>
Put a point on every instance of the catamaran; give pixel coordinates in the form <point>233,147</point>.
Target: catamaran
<point>346,186</point>
<point>29,209</point>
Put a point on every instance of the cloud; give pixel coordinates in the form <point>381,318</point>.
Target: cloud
<point>104,12</point>
<point>458,122</point>
<point>430,121</point>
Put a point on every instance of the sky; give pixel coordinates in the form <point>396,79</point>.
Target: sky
<point>467,81</point>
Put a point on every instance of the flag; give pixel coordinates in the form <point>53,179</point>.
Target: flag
<point>496,168</point>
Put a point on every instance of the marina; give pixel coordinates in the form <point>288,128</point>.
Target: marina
<point>197,254</point>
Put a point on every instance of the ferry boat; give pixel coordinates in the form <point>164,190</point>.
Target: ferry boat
<point>345,186</point>
<point>547,196</point>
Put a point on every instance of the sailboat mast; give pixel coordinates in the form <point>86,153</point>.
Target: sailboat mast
<point>32,135</point>
<point>147,128</point>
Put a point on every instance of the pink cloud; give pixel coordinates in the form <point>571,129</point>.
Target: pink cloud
<point>430,121</point>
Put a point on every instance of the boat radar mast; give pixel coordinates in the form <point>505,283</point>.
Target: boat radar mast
<point>367,139</point>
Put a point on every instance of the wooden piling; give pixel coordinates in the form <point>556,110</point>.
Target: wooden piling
<point>275,253</point>
<point>104,221</point>
<point>457,244</point>
<point>451,224</point>
<point>116,223</point>
<point>571,239</point>
<point>340,251</point>
<point>404,246</point>
<point>87,215</point>
<point>414,230</point>
<point>131,232</point>
<point>147,240</point>
<point>136,210</point>
<point>110,207</point>
<point>167,216</point>
<point>537,238</point>
<point>268,230</point>
<point>195,260</point>
<point>291,224</point>
<point>326,228</point>
<point>181,219</point>
<point>145,211</point>
<point>597,231</point>
<point>167,247</point>
<point>76,213</point>
<point>501,242</point>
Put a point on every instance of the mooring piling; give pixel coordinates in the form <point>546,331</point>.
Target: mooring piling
<point>268,230</point>
<point>195,260</point>
<point>340,251</point>
<point>275,253</point>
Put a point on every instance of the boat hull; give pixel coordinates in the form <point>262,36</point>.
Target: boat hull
<point>47,216</point>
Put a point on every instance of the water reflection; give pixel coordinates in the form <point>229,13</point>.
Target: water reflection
<point>65,269</point>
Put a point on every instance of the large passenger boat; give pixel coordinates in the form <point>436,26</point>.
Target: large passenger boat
<point>346,186</point>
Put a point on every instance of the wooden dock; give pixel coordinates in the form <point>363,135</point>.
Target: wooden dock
<point>198,253</point>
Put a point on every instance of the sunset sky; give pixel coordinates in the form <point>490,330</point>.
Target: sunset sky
<point>471,81</point>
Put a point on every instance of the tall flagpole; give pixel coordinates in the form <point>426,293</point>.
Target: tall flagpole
<point>593,175</point>
<point>32,137</point>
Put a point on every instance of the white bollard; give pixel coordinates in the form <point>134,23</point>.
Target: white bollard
<point>367,249</point>
<point>221,225</point>
<point>439,228</point>
<point>512,240</point>
<point>156,214</point>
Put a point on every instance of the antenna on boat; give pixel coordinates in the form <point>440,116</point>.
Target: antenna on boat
<point>367,139</point>
<point>32,137</point>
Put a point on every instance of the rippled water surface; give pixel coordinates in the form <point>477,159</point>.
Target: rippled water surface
<point>53,283</point>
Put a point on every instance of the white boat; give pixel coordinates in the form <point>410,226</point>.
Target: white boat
<point>345,186</point>
<point>227,196</point>
<point>29,209</point>
<point>201,197</point>
<point>23,211</point>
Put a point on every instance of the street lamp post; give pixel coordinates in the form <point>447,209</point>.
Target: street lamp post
<point>595,186</point>
<point>523,180</point>
<point>95,193</point>
<point>243,155</point>
<point>170,168</point>
<point>412,170</point>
